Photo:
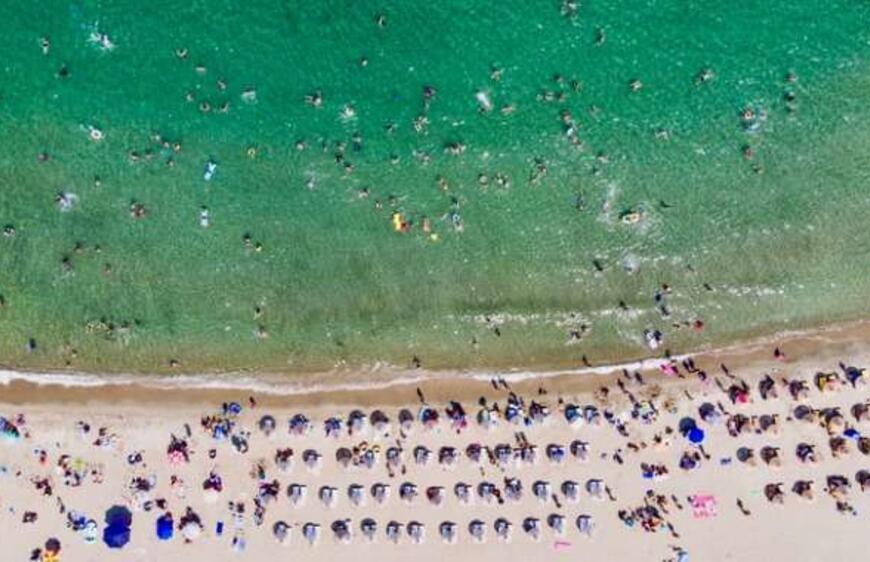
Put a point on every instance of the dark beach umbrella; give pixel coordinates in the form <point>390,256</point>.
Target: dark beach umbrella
<point>267,424</point>
<point>52,545</point>
<point>379,420</point>
<point>687,425</point>
<point>119,515</point>
<point>116,536</point>
<point>343,456</point>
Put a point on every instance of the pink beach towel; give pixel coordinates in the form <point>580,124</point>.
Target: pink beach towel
<point>704,506</point>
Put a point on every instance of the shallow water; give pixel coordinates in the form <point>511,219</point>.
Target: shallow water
<point>780,239</point>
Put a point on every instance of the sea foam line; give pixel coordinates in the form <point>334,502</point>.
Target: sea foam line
<point>267,384</point>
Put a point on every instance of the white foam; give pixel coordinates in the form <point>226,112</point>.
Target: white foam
<point>283,385</point>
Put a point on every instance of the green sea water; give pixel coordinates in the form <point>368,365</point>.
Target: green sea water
<point>596,112</point>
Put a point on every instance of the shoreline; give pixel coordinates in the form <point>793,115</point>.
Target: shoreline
<point>391,387</point>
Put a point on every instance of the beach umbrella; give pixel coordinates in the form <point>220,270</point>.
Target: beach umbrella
<point>311,532</point>
<point>356,420</point>
<point>116,535</point>
<point>310,458</point>
<point>52,546</point>
<point>416,531</point>
<point>447,530</point>
<point>406,419</point>
<point>421,454</point>
<point>380,491</point>
<point>686,425</point>
<point>281,531</point>
<point>368,527</point>
<point>343,456</point>
<point>573,413</point>
<point>556,522</point>
<point>327,495</point>
<point>502,528</point>
<point>191,530</point>
<point>379,420</point>
<point>356,494</point>
<point>462,491</point>
<point>570,489</point>
<point>696,435</point>
<point>477,530</point>
<point>532,527</point>
<point>165,527</point>
<point>579,449</point>
<point>267,424</point>
<point>541,490</point>
<point>90,533</point>
<point>393,531</point>
<point>584,524</point>
<point>119,515</point>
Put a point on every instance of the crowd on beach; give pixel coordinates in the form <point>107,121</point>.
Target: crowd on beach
<point>536,467</point>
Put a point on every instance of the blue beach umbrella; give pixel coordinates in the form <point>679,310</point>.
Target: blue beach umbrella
<point>695,435</point>
<point>164,527</point>
<point>116,536</point>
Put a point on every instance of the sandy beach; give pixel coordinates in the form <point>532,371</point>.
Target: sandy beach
<point>738,454</point>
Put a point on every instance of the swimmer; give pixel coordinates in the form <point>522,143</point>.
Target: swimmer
<point>65,200</point>
<point>570,8</point>
<point>635,85</point>
<point>95,133</point>
<point>600,37</point>
<point>210,169</point>
<point>495,73</point>
<point>348,112</point>
<point>249,95</point>
<point>138,210</point>
<point>200,69</point>
<point>704,76</point>
<point>45,44</point>
<point>102,40</point>
<point>62,72</point>
<point>221,84</point>
<point>420,123</point>
<point>204,217</point>
<point>181,53</point>
<point>314,99</point>
<point>483,101</point>
<point>363,62</point>
<point>381,20</point>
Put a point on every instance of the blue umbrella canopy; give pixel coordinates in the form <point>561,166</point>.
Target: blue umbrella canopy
<point>164,527</point>
<point>116,536</point>
<point>696,435</point>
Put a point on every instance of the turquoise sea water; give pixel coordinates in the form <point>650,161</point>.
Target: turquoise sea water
<point>595,114</point>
